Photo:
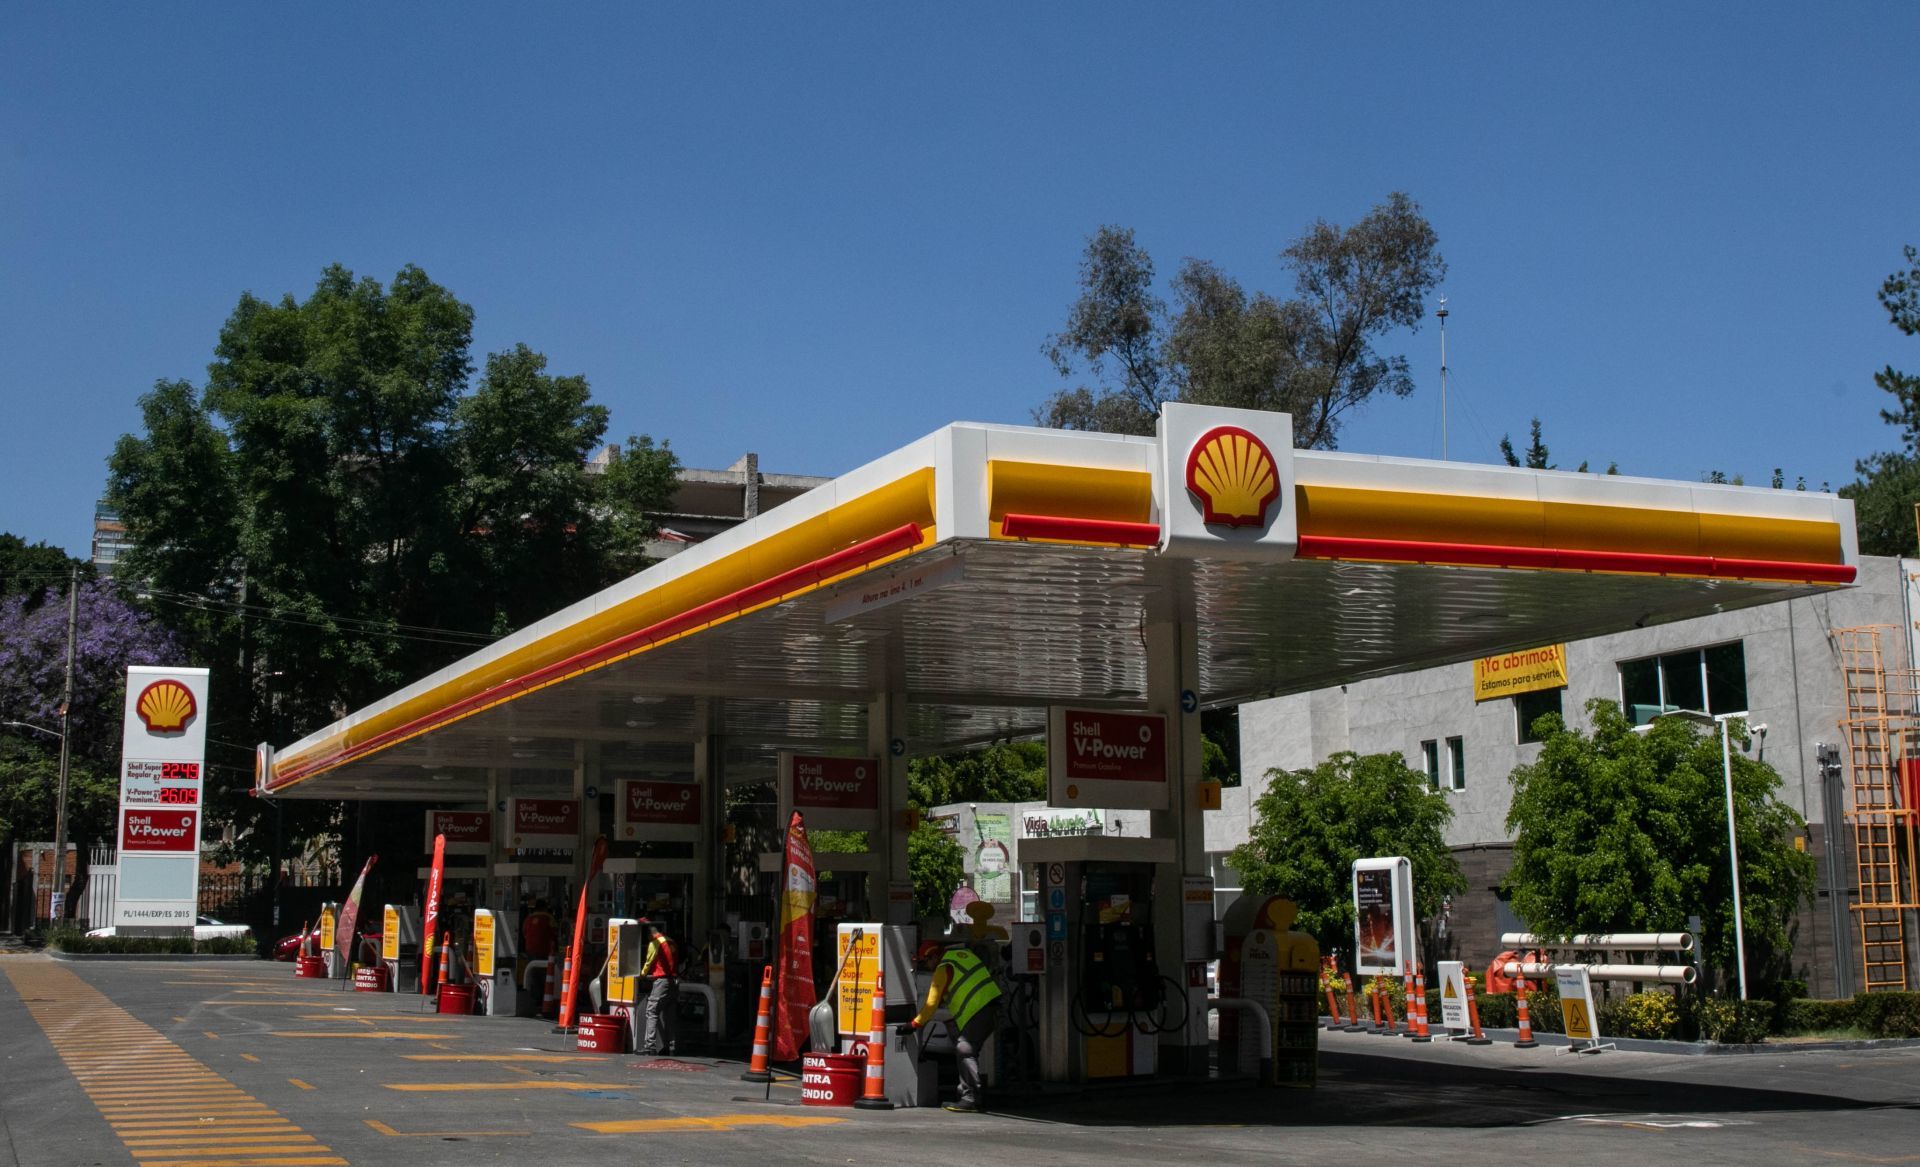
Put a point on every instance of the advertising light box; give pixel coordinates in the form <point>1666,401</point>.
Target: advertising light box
<point>1100,758</point>
<point>543,822</point>
<point>667,810</point>
<point>1383,941</point>
<point>163,748</point>
<point>468,832</point>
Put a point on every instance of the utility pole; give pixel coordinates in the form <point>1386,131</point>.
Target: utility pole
<point>66,749</point>
<point>1442,314</point>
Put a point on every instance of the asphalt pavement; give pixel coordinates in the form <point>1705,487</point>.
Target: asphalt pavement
<point>211,1065</point>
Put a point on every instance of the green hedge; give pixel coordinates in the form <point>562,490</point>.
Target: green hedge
<point>1872,1014</point>
<point>70,939</point>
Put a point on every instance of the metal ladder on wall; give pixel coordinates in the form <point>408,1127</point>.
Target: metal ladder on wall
<point>1879,735</point>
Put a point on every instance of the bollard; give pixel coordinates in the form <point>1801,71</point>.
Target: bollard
<point>1422,1033</point>
<point>1353,1014</point>
<point>1473,1011</point>
<point>1526,1023</point>
<point>1333,1006</point>
<point>875,1097</point>
<point>1373,1003</point>
<point>1386,1008</point>
<point>757,1070</point>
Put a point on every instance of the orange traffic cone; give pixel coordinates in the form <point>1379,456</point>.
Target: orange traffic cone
<point>875,1097</point>
<point>441,981</point>
<point>1373,1003</point>
<point>1353,1015</point>
<point>1473,1011</point>
<point>1421,1032</point>
<point>1526,1023</point>
<point>1333,1006</point>
<point>762,1032</point>
<point>566,995</point>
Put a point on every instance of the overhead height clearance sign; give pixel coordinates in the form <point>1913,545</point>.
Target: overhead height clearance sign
<point>163,752</point>
<point>1526,670</point>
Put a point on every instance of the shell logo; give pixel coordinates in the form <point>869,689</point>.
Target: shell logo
<point>165,706</point>
<point>1234,476</point>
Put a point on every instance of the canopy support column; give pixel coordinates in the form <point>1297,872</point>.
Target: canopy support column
<point>1173,677</point>
<point>887,741</point>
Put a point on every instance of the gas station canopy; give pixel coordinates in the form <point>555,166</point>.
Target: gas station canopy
<point>985,573</point>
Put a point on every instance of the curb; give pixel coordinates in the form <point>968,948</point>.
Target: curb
<point>170,957</point>
<point>1642,1045</point>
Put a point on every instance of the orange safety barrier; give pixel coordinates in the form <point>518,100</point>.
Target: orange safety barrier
<point>1526,1022</point>
<point>1421,1032</point>
<point>566,993</point>
<point>1478,1037</point>
<point>875,1096</point>
<point>757,1070</point>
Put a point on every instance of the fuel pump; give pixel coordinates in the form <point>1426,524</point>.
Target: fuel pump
<point>494,949</point>
<point>400,946</point>
<point>626,948</point>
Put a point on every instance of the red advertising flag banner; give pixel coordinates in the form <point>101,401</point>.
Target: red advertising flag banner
<point>835,783</point>
<point>569,1001</point>
<point>343,937</point>
<point>430,917</point>
<point>796,899</point>
<point>158,830</point>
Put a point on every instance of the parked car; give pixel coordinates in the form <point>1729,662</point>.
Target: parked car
<point>288,947</point>
<point>204,928</point>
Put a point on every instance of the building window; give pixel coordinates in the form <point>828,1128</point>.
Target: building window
<point>1530,707</point>
<point>1711,680</point>
<point>1430,757</point>
<point>1456,763</point>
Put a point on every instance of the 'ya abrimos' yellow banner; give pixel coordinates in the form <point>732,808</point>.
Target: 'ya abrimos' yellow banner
<point>1524,671</point>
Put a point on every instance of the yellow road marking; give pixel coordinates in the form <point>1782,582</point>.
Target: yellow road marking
<point>264,1004</point>
<point>250,1150</point>
<point>250,1162</point>
<point>211,1034</point>
<point>718,1122</point>
<point>251,1057</point>
<point>455,1087</point>
<point>299,1083</point>
<point>504,1057</point>
<point>374,1033</point>
<point>163,1104</point>
<point>437,1045</point>
<point>384,1129</point>
<point>181,1020</point>
<point>518,1070</point>
<point>378,1017</point>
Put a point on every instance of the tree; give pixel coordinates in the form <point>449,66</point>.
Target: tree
<point>1626,831</point>
<point>1310,826</point>
<point>36,571</point>
<point>338,511</point>
<point>936,865</point>
<point>1889,482</point>
<point>1311,355</point>
<point>1000,773</point>
<point>110,634</point>
<point>1536,451</point>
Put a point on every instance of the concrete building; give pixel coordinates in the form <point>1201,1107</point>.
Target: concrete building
<point>1779,662</point>
<point>707,502</point>
<point>109,538</point>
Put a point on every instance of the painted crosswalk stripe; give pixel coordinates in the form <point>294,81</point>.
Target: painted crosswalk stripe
<point>168,1108</point>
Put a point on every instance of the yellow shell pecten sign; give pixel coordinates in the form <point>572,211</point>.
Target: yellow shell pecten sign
<point>165,706</point>
<point>1233,475</point>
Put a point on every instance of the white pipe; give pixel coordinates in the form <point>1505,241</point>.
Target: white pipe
<point>1265,1027</point>
<point>1637,941</point>
<point>1666,974</point>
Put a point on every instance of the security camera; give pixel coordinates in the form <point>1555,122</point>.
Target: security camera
<point>1760,729</point>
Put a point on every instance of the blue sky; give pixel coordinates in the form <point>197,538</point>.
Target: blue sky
<point>818,231</point>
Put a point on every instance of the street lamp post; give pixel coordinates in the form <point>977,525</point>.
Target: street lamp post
<point>1733,840</point>
<point>59,812</point>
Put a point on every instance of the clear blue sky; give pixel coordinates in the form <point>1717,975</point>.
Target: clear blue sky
<point>818,231</point>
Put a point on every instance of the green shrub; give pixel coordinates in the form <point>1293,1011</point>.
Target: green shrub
<point>70,938</point>
<point>1888,1014</point>
<point>1732,1022</point>
<point>1497,1011</point>
<point>1543,1008</point>
<point>1651,1015</point>
<point>1809,1016</point>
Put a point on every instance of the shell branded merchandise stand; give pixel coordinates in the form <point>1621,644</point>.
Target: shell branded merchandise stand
<point>992,583</point>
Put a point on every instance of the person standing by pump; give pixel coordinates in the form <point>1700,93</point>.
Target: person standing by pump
<point>662,964</point>
<point>965,985</point>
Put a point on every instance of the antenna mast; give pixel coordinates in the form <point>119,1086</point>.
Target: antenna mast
<point>1442,314</point>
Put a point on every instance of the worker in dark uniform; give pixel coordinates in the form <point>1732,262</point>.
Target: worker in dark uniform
<point>964,984</point>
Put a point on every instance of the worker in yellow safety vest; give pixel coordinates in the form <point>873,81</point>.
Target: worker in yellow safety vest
<point>662,964</point>
<point>965,985</point>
